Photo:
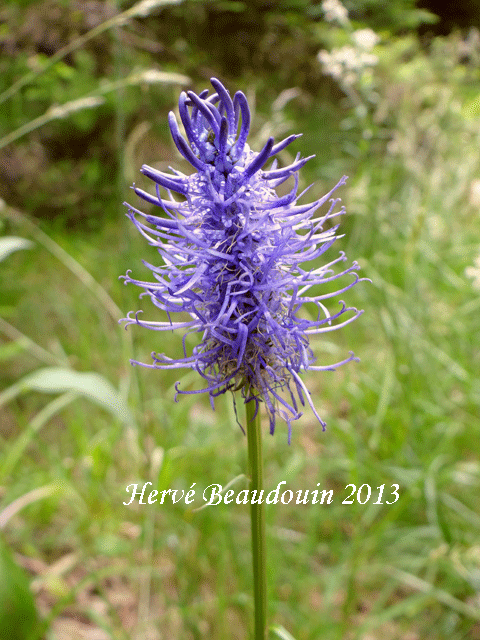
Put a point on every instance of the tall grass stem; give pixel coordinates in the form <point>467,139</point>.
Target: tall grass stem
<point>257,514</point>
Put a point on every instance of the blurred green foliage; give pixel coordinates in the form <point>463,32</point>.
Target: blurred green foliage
<point>56,170</point>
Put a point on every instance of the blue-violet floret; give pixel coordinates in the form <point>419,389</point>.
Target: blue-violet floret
<point>232,251</point>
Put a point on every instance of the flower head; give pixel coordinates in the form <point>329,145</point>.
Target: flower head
<point>232,251</point>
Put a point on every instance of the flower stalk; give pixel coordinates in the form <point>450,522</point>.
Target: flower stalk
<point>238,262</point>
<point>257,517</point>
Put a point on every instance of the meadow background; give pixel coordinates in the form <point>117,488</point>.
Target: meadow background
<point>393,102</point>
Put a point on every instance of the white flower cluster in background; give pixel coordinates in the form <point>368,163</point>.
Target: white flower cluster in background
<point>346,64</point>
<point>365,39</point>
<point>335,11</point>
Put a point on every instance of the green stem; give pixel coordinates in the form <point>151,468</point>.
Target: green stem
<point>257,513</point>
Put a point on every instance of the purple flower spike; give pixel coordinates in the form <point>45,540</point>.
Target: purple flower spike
<point>231,252</point>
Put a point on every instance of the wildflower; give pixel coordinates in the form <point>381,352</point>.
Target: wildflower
<point>365,39</point>
<point>335,12</point>
<point>232,251</point>
<point>346,64</point>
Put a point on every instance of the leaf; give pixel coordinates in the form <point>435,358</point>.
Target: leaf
<point>18,615</point>
<point>11,349</point>
<point>28,498</point>
<point>442,596</point>
<point>15,450</point>
<point>9,244</point>
<point>280,632</point>
<point>91,385</point>
<point>60,380</point>
<point>242,476</point>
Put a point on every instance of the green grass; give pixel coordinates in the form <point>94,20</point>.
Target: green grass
<point>407,414</point>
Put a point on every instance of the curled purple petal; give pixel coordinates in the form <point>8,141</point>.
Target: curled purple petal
<point>258,162</point>
<point>226,102</point>
<point>164,180</point>
<point>181,144</point>
<point>241,107</point>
